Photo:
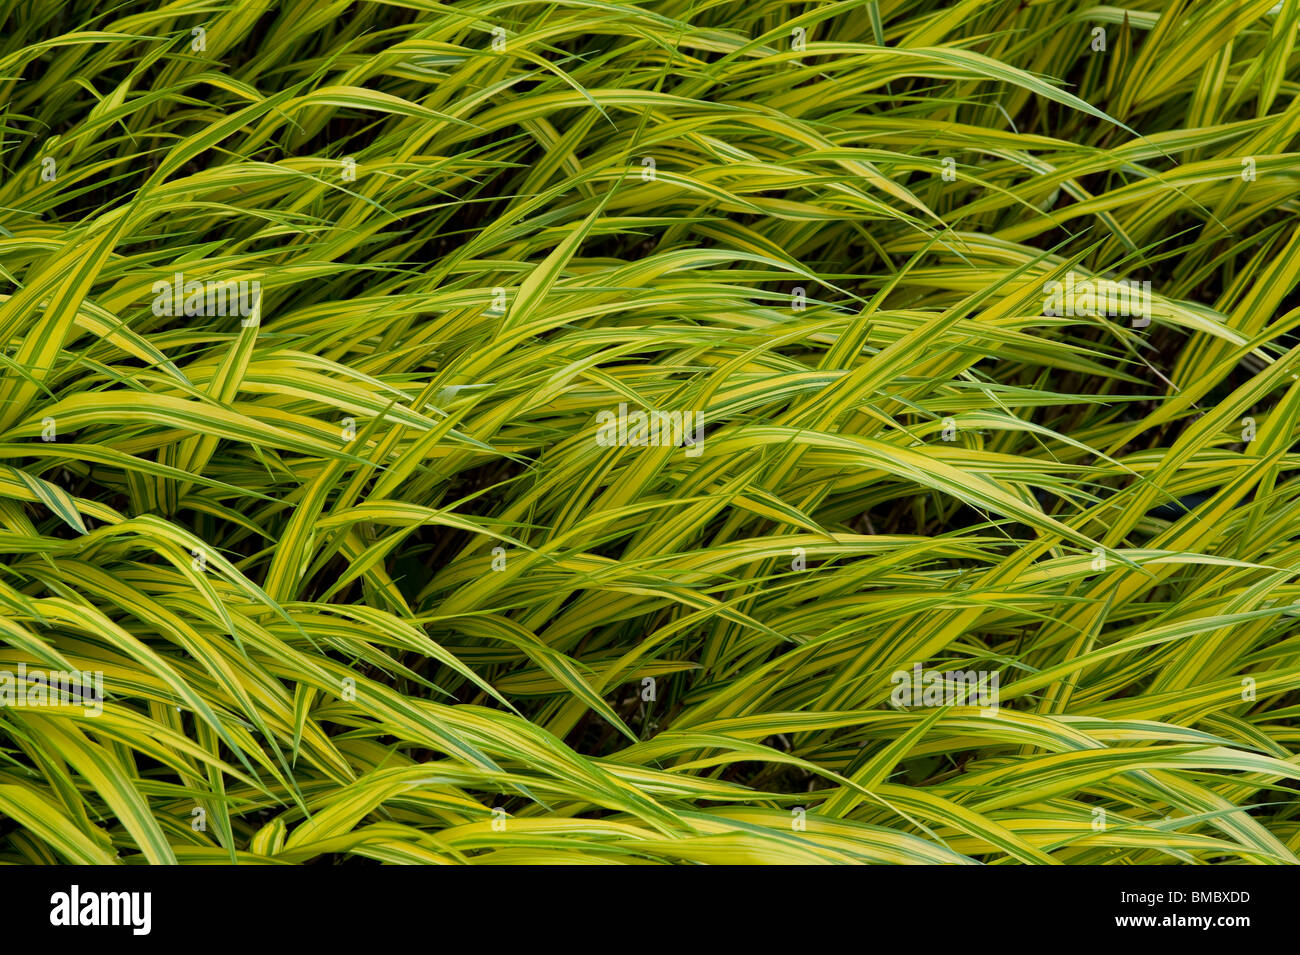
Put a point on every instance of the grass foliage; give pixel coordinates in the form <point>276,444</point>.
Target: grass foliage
<point>357,571</point>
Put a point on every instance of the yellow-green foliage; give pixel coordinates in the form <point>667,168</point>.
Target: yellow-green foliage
<point>357,571</point>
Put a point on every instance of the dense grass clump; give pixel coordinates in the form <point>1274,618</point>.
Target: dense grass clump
<point>569,431</point>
